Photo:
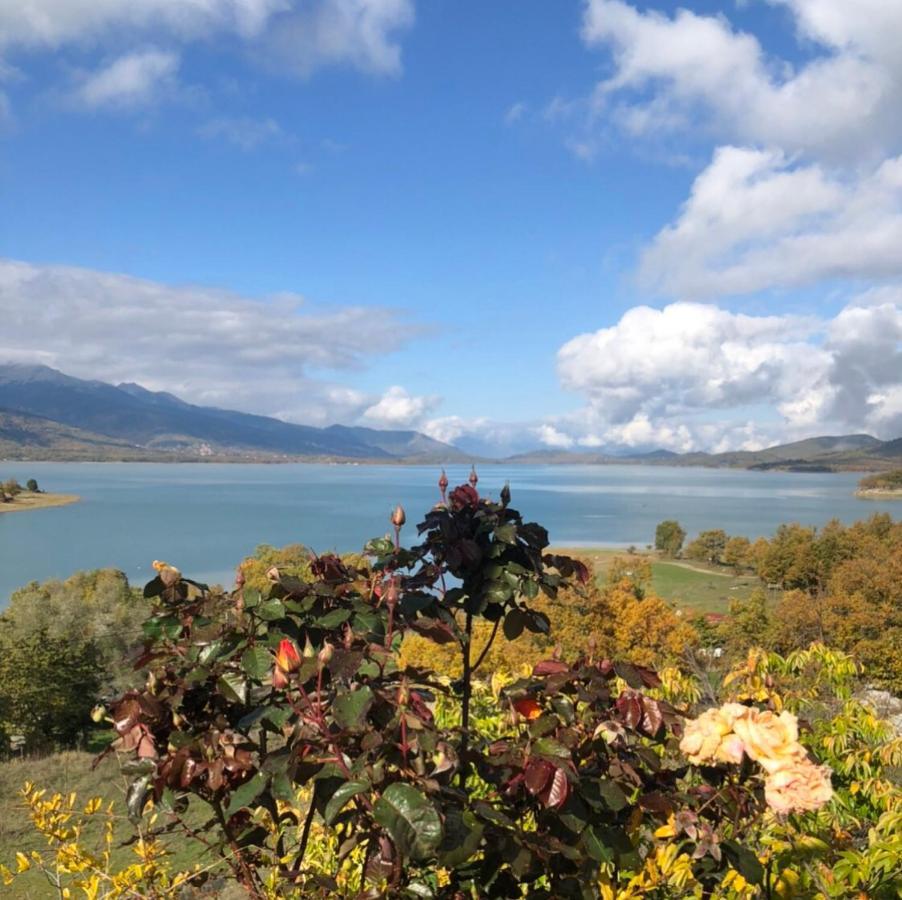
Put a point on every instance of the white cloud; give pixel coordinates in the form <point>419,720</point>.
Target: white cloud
<point>298,36</point>
<point>704,74</point>
<point>360,33</point>
<point>131,80</point>
<point>205,345</point>
<point>246,133</point>
<point>515,112</point>
<point>756,219</point>
<point>551,437</point>
<point>656,377</point>
<point>52,23</point>
<point>397,408</point>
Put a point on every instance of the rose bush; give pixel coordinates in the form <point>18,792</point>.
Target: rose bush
<point>320,765</point>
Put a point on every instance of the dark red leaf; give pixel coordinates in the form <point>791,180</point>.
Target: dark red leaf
<point>538,774</point>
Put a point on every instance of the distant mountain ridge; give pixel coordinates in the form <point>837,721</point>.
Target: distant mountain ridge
<point>114,419</point>
<point>828,453</point>
<point>45,414</point>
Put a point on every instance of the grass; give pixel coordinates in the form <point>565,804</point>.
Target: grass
<point>692,586</point>
<point>37,500</point>
<point>66,772</point>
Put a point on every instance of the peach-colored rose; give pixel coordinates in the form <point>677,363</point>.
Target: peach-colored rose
<point>710,738</point>
<point>769,739</point>
<point>797,786</point>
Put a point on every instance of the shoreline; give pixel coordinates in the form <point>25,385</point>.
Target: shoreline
<point>28,501</point>
<point>879,494</point>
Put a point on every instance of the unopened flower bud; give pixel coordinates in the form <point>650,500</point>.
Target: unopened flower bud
<point>308,648</point>
<point>325,655</point>
<point>398,517</point>
<point>506,494</point>
<point>474,478</point>
<point>98,713</point>
<point>273,574</point>
<point>443,482</point>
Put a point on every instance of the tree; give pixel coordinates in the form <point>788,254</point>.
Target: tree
<point>669,537</point>
<point>95,609</point>
<point>709,546</point>
<point>47,689</point>
<point>32,485</point>
<point>736,553</point>
<point>11,487</point>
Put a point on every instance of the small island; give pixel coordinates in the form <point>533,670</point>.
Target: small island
<point>882,486</point>
<point>15,498</point>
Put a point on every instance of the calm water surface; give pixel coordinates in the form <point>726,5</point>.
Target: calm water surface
<point>205,518</point>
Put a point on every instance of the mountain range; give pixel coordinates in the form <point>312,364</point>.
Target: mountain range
<point>45,414</point>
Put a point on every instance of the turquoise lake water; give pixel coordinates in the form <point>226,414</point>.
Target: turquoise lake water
<point>206,517</point>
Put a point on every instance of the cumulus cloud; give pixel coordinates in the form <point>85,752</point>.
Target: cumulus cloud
<point>397,408</point>
<point>552,437</point>
<point>701,72</point>
<point>757,219</point>
<point>131,80</point>
<point>658,377</point>
<point>207,346</point>
<point>298,36</point>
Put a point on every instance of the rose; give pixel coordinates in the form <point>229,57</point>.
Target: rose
<point>797,786</point>
<point>464,496</point>
<point>710,737</point>
<point>287,660</point>
<point>769,739</point>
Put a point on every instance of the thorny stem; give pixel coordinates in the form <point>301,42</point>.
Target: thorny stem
<point>305,836</point>
<point>465,700</point>
<point>239,865</point>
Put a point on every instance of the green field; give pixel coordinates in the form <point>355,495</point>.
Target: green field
<point>67,772</point>
<point>688,585</point>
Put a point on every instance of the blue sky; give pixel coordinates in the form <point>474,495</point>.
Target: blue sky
<point>510,225</point>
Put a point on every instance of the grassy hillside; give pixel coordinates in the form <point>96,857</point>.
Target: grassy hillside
<point>691,586</point>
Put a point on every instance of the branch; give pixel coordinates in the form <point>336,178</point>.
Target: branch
<point>486,648</point>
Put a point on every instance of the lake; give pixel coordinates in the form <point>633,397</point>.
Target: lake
<point>205,517</point>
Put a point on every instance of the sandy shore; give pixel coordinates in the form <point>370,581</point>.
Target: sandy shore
<point>879,494</point>
<point>26,500</point>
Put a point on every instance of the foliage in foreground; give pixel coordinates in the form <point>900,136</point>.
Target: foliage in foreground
<point>322,765</point>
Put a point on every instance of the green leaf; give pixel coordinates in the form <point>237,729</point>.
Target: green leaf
<point>252,598</point>
<point>136,797</point>
<point>233,686</point>
<point>744,861</point>
<point>612,795</point>
<point>338,800</point>
<point>514,623</point>
<point>507,534</point>
<point>270,610</point>
<point>282,788</point>
<point>333,619</point>
<point>350,707</point>
<point>209,652</point>
<point>256,661</point>
<point>410,819</point>
<point>463,836</point>
<point>247,793</point>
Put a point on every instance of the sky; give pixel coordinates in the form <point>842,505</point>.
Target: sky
<point>511,225</point>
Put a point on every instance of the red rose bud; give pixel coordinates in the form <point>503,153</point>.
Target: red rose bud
<point>474,478</point>
<point>279,678</point>
<point>464,496</point>
<point>398,517</point>
<point>287,656</point>
<point>443,484</point>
